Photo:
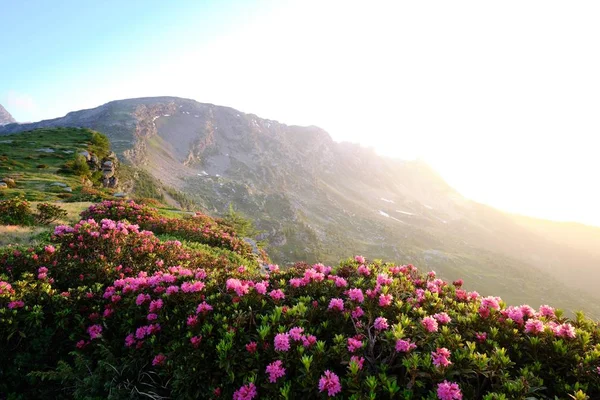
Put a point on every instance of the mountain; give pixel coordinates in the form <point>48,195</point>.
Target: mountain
<point>5,117</point>
<point>318,200</point>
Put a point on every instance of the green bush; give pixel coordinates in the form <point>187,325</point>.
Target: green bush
<point>48,213</point>
<point>16,211</point>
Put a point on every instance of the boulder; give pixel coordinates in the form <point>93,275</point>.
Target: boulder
<point>68,189</point>
<point>120,194</point>
<point>3,185</point>
<point>45,150</point>
<point>85,154</point>
<point>60,184</point>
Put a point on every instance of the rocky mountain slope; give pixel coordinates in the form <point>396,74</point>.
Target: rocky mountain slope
<point>317,199</point>
<point>5,117</point>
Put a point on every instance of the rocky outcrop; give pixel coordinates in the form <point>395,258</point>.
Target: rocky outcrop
<point>108,168</point>
<point>5,117</point>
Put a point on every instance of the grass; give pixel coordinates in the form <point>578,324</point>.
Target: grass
<point>22,235</point>
<point>35,160</point>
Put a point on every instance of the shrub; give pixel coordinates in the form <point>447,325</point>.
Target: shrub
<point>42,166</point>
<point>15,211</point>
<point>48,213</point>
<point>77,166</point>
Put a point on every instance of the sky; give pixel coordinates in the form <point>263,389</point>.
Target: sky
<point>501,98</point>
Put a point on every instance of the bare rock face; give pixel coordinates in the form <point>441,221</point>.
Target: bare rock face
<point>5,117</point>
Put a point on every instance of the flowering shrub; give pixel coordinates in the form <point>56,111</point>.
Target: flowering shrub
<point>198,228</point>
<point>110,310</point>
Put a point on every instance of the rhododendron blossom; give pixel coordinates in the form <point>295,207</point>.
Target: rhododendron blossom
<point>330,382</point>
<point>336,304</point>
<point>381,323</point>
<point>246,392</point>
<point>385,300</point>
<point>404,346</point>
<point>275,371</point>
<point>441,357</point>
<point>354,345</point>
<point>430,324</point>
<point>356,294</point>
<point>448,391</point>
<point>282,342</point>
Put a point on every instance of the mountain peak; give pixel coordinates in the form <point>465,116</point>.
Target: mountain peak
<point>5,117</point>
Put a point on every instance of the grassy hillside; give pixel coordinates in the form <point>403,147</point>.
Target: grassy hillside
<point>46,165</point>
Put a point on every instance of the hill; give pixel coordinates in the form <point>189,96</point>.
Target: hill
<point>315,198</point>
<point>182,308</point>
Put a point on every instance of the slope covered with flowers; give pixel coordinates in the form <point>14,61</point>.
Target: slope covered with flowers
<point>107,310</point>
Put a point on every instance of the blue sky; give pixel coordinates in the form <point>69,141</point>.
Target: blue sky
<point>501,98</point>
<point>58,49</point>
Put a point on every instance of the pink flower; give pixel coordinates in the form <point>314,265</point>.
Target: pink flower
<point>195,341</point>
<point>354,344</point>
<point>277,294</point>
<point>330,382</point>
<point>15,304</point>
<point>275,371</point>
<point>247,392</point>
<point>448,391</point>
<point>282,342</point>
<point>296,282</point>
<point>260,288</point>
<point>481,336</point>
<point>565,331</point>
<point>308,340</point>
<point>383,279</point>
<point>385,300</point>
<point>151,317</point>
<point>516,314</point>
<point>141,298</point>
<point>95,331</point>
<point>340,282</point>
<point>534,326</point>
<point>49,249</point>
<point>251,347</point>
<point>547,311</point>
<point>381,324</point>
<point>159,359</point>
<point>359,361</point>
<point>156,305</point>
<point>357,313</point>
<point>441,357</point>
<point>404,346</point>
<point>356,295</point>
<point>336,304</point>
<point>363,270</point>
<point>442,318</point>
<point>81,344</point>
<point>172,290</point>
<point>192,320</point>
<point>430,324</point>
<point>203,308</point>
<point>296,333</point>
<point>359,259</point>
<point>236,285</point>
<point>129,340</point>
